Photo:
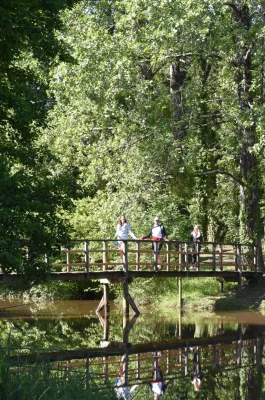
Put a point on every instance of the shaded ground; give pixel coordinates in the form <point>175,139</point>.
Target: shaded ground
<point>251,297</point>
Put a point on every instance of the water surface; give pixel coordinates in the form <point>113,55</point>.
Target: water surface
<point>226,350</point>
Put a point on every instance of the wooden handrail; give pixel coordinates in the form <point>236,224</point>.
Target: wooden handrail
<point>176,256</point>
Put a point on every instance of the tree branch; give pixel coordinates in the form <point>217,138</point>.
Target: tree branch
<point>232,6</point>
<point>221,172</point>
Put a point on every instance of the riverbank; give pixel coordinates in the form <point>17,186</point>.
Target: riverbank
<point>197,294</point>
<point>250,297</point>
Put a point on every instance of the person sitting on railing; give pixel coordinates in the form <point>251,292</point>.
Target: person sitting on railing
<point>122,233</point>
<point>158,234</point>
<point>196,238</point>
<point>158,385</point>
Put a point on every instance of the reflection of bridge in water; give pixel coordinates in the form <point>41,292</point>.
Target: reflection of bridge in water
<point>224,352</point>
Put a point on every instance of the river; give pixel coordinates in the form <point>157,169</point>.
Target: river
<point>193,355</point>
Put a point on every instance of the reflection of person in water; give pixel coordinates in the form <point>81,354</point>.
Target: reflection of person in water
<point>123,392</point>
<point>158,384</point>
<point>197,374</point>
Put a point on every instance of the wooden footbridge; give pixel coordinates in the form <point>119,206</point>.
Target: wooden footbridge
<point>100,260</point>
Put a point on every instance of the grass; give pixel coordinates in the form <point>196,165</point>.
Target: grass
<point>204,294</point>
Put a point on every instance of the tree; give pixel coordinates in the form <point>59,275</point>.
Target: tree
<point>150,117</point>
<point>31,194</point>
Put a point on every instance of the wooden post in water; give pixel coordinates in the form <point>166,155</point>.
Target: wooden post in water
<point>180,292</point>
<point>106,298</point>
<point>180,323</point>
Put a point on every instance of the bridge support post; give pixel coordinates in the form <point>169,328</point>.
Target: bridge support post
<point>104,302</point>
<point>127,299</point>
<point>180,292</point>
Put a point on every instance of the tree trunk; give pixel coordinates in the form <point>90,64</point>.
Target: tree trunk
<point>177,78</point>
<point>249,190</point>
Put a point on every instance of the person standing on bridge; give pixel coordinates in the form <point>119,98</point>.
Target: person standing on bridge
<point>158,234</point>
<point>122,233</point>
<point>196,238</point>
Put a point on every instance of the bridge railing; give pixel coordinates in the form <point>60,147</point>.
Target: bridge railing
<point>178,362</point>
<point>103,255</point>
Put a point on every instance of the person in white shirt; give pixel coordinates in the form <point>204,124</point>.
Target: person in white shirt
<point>123,231</point>
<point>159,384</point>
<point>123,392</point>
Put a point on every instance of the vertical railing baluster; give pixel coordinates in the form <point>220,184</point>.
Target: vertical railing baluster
<point>238,257</point>
<point>87,371</point>
<point>255,253</point>
<point>198,256</point>
<point>68,259</point>
<point>186,256</point>
<point>86,250</point>
<point>138,366</point>
<point>214,256</point>
<point>168,255</point>
<point>214,357</point>
<point>221,257</point>
<point>137,255</point>
<point>186,362</point>
<point>125,257</point>
<point>239,266</point>
<point>179,248</point>
<point>47,262</point>
<point>105,255</point>
<point>168,362</point>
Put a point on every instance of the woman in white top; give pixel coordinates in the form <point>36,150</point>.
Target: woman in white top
<point>122,233</point>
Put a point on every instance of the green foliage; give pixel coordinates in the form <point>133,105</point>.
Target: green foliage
<point>51,290</point>
<point>121,130</point>
<point>32,194</point>
<point>135,107</point>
